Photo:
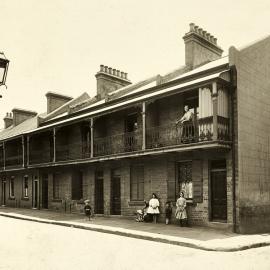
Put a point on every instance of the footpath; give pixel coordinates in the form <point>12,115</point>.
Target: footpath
<point>203,238</point>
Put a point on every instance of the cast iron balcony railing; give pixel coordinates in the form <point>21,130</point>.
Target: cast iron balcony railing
<point>119,143</point>
<point>72,151</point>
<point>171,134</point>
<point>40,156</point>
<point>14,161</point>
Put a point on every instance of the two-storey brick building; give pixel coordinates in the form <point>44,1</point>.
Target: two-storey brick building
<point>123,144</point>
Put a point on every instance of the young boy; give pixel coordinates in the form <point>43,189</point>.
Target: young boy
<point>168,212</point>
<point>87,209</point>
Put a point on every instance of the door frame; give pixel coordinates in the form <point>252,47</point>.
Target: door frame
<point>44,176</point>
<point>210,195</point>
<point>112,181</point>
<point>35,193</point>
<point>99,179</point>
<point>3,192</point>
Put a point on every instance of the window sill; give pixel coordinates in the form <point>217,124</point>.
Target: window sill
<point>25,199</point>
<point>136,203</point>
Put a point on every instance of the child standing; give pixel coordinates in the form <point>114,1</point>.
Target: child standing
<point>168,212</point>
<point>87,209</point>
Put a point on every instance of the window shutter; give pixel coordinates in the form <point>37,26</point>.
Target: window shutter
<point>197,181</point>
<point>171,181</point>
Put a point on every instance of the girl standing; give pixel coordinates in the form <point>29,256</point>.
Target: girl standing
<point>181,212</point>
<point>153,207</point>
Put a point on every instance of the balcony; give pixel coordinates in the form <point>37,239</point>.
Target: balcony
<point>116,144</point>
<point>13,161</point>
<point>72,151</point>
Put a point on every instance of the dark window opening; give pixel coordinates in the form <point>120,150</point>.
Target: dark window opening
<point>137,182</point>
<point>77,185</point>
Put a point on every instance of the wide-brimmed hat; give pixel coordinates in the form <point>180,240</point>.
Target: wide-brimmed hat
<point>87,201</point>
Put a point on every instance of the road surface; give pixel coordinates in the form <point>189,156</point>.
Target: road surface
<point>30,245</point>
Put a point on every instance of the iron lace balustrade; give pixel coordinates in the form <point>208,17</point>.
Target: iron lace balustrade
<point>39,157</point>
<point>14,161</point>
<point>72,151</point>
<point>171,134</point>
<point>119,143</point>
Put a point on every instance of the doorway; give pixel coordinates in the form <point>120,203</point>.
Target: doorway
<point>115,192</point>
<point>3,192</point>
<point>35,193</point>
<point>45,191</point>
<point>99,192</point>
<point>218,194</point>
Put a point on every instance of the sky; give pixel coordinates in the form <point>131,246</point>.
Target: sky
<point>58,45</point>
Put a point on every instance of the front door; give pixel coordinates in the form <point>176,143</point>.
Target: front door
<point>35,193</point>
<point>116,193</point>
<point>219,195</point>
<point>45,191</point>
<point>3,192</point>
<point>99,193</point>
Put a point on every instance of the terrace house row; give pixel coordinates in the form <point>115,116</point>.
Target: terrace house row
<point>123,144</point>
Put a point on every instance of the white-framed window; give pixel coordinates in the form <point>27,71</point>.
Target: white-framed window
<point>25,186</point>
<point>185,178</point>
<point>11,187</point>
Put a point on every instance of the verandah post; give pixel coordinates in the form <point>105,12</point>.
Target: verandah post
<point>215,110</point>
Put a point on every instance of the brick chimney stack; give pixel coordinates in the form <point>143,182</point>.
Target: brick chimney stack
<point>8,120</point>
<point>110,79</point>
<point>200,47</point>
<point>55,100</point>
<point>20,115</point>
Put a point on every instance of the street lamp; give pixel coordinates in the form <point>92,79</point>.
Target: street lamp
<point>3,69</point>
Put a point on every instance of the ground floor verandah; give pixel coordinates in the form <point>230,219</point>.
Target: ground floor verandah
<point>120,187</point>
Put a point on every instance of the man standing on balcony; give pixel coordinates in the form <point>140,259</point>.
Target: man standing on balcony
<point>185,122</point>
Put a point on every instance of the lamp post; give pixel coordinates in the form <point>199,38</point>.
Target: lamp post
<point>3,69</point>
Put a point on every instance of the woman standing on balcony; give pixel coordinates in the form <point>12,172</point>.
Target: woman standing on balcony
<point>181,212</point>
<point>153,207</point>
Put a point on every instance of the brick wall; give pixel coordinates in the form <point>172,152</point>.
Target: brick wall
<point>253,112</point>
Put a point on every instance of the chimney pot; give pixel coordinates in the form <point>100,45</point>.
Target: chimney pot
<point>204,33</point>
<point>114,72</point>
<point>125,75</point>
<point>122,74</point>
<point>191,25</point>
<point>118,72</point>
<point>101,68</point>
<point>106,69</point>
<point>200,47</point>
<point>110,70</point>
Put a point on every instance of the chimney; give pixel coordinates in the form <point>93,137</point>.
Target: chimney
<point>20,115</point>
<point>8,120</point>
<point>200,47</point>
<point>110,79</point>
<point>55,100</point>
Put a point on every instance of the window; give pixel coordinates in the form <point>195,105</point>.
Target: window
<point>25,186</point>
<point>185,179</point>
<point>137,183</point>
<point>11,187</point>
<point>56,193</point>
<point>77,185</point>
